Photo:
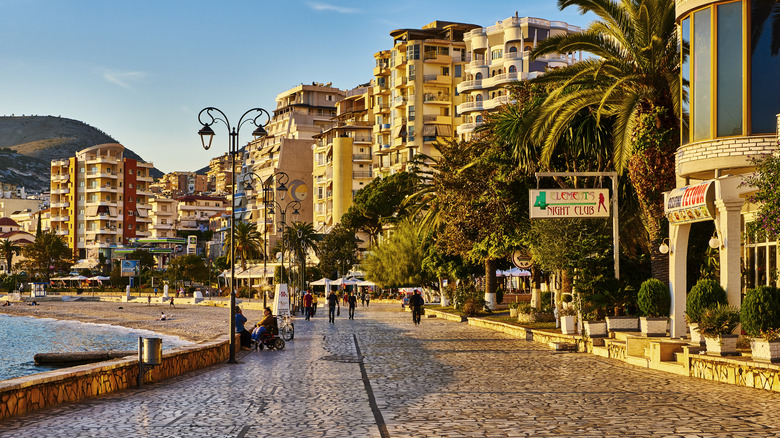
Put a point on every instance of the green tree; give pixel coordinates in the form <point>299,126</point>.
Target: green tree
<point>397,261</point>
<point>8,249</point>
<point>338,251</point>
<point>189,267</point>
<point>302,237</point>
<point>48,253</point>
<point>634,77</point>
<point>248,243</point>
<point>144,257</point>
<point>379,203</point>
<point>766,180</point>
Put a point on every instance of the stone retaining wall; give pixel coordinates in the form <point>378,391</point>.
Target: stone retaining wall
<point>29,393</point>
<point>539,336</point>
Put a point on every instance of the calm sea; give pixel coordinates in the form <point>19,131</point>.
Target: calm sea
<point>22,337</point>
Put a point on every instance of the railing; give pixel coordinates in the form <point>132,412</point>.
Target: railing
<point>361,157</point>
<point>361,174</point>
<point>429,118</point>
<point>429,97</point>
<point>430,78</point>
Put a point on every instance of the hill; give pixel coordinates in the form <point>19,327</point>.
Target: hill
<point>29,143</point>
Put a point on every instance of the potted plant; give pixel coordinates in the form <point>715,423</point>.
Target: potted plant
<point>653,301</point>
<point>716,324</point>
<point>760,317</point>
<point>568,321</point>
<point>513,309</point>
<point>706,293</point>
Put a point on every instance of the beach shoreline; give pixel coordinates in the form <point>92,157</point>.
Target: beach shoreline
<point>190,322</point>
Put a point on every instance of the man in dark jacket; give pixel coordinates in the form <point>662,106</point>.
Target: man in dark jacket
<point>416,303</point>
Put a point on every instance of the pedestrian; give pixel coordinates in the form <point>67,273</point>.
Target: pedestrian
<point>416,303</point>
<point>333,303</point>
<point>352,304</point>
<point>246,337</point>
<point>162,316</point>
<point>148,300</point>
<point>307,300</point>
<point>171,303</point>
<point>314,304</point>
<point>363,299</point>
<point>368,298</point>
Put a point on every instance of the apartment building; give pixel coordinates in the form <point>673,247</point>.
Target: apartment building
<point>99,200</point>
<point>500,55</point>
<point>342,157</point>
<point>301,113</point>
<point>164,217</point>
<point>28,220</point>
<point>219,176</point>
<point>8,190</point>
<point>9,206</point>
<point>195,211</point>
<point>415,95</point>
<point>177,184</point>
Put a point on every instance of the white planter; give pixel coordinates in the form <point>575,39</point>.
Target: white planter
<point>622,324</point>
<point>725,345</point>
<point>765,351</point>
<point>513,312</point>
<point>567,325</point>
<point>596,329</point>
<point>696,337</point>
<point>653,326</point>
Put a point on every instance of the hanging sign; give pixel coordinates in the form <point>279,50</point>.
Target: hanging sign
<point>689,204</point>
<point>521,260</point>
<point>558,203</point>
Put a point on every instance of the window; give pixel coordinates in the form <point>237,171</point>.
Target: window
<point>163,221</point>
<point>513,49</point>
<point>410,114</point>
<point>458,72</point>
<point>129,226</point>
<point>478,98</point>
<point>497,54</point>
<point>130,212</point>
<point>130,199</point>
<point>445,71</point>
<point>478,76</point>
<point>411,72</point>
<point>130,185</point>
<point>412,52</point>
<point>512,69</point>
<point>478,119</point>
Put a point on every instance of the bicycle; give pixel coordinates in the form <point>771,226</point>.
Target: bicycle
<point>287,328</point>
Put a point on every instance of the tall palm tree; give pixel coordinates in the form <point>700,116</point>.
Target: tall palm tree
<point>248,243</point>
<point>8,249</point>
<point>635,79</point>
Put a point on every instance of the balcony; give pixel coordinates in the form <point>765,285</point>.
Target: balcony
<point>60,218</point>
<point>101,174</point>
<point>145,178</point>
<point>362,174</point>
<point>99,160</point>
<point>99,202</point>
<point>145,165</point>
<point>437,98</point>
<point>470,106</point>
<point>60,162</point>
<point>474,84</point>
<point>60,204</point>
<point>361,157</point>
<point>60,177</point>
<point>61,232</point>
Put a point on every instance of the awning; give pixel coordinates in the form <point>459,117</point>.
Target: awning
<point>141,213</point>
<point>85,264</point>
<point>399,131</point>
<point>437,130</point>
<point>92,210</point>
<point>429,130</point>
<point>112,211</point>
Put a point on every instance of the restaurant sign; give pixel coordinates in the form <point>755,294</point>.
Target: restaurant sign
<point>691,203</point>
<point>584,203</point>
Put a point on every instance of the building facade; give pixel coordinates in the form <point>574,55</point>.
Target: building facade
<point>500,55</point>
<point>731,102</point>
<point>100,199</point>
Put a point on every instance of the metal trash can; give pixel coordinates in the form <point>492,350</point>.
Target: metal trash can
<point>152,351</point>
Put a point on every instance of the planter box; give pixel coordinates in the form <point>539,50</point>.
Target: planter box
<point>696,337</point>
<point>725,345</point>
<point>622,324</point>
<point>596,329</point>
<point>653,327</point>
<point>513,312</point>
<point>765,351</point>
<point>568,327</point>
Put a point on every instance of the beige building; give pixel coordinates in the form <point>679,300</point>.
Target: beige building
<point>219,175</point>
<point>164,216</point>
<point>99,200</point>
<point>9,206</point>
<point>28,220</point>
<point>177,184</point>
<point>499,55</point>
<point>195,211</point>
<point>415,97</point>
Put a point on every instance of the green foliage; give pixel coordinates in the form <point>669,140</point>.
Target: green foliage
<point>499,295</point>
<point>397,261</point>
<point>654,298</point>
<point>144,257</point>
<point>338,251</point>
<point>718,320</point>
<point>47,254</point>
<point>189,267</point>
<point>766,180</point>
<point>760,310</point>
<point>248,243</point>
<point>567,298</point>
<point>705,293</point>
<point>8,250</point>
<point>468,299</point>
<point>8,282</point>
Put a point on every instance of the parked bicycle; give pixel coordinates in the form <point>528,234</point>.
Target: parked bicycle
<point>287,328</point>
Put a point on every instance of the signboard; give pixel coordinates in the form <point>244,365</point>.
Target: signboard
<point>129,268</point>
<point>192,244</point>
<point>558,203</point>
<point>281,300</point>
<point>691,203</point>
<point>522,260</point>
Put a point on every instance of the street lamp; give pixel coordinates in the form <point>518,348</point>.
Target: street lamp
<point>206,118</point>
<point>269,202</point>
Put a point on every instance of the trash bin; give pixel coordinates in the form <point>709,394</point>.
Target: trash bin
<point>152,351</point>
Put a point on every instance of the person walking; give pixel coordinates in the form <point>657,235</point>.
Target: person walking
<point>368,298</point>
<point>313,304</point>
<point>333,302</point>
<point>307,301</point>
<point>352,304</point>
<point>416,303</point>
<point>171,304</point>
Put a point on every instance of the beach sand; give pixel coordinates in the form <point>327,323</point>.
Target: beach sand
<point>190,322</point>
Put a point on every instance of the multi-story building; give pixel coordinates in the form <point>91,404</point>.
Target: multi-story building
<point>8,190</point>
<point>28,220</point>
<point>731,109</point>
<point>100,199</point>
<point>164,216</point>
<point>177,184</point>
<point>219,176</point>
<point>342,158</point>
<point>301,113</point>
<point>219,224</point>
<point>500,55</point>
<point>195,211</point>
<point>415,92</point>
<point>9,206</point>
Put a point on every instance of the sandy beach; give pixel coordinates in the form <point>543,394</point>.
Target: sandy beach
<point>190,322</point>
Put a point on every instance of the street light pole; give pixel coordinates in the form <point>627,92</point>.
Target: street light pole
<point>206,117</point>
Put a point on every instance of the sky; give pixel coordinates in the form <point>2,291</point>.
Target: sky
<point>141,70</point>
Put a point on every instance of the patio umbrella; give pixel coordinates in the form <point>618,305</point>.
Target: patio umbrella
<point>321,282</point>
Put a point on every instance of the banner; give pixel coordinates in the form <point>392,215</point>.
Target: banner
<point>558,203</point>
<point>689,204</point>
<point>130,268</point>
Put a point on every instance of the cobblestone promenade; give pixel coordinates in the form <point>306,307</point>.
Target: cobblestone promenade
<point>380,376</point>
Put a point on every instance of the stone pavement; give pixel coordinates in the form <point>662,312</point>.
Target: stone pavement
<point>381,376</point>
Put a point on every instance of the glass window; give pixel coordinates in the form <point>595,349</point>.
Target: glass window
<point>729,109</point>
<point>458,72</point>
<point>765,66</point>
<point>701,74</point>
<point>686,77</point>
<point>478,76</point>
<point>512,69</point>
<point>413,52</point>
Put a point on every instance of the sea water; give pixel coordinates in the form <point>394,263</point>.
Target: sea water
<point>22,337</point>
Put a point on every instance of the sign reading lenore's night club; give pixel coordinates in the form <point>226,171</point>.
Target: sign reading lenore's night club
<point>558,203</point>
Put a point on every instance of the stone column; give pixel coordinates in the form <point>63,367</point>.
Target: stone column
<point>727,220</point>
<point>678,273</point>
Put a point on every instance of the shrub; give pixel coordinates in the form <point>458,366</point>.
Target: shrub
<point>499,295</point>
<point>718,320</point>
<point>706,293</point>
<point>468,299</point>
<point>653,298</point>
<point>760,310</point>
<point>524,308</point>
<point>567,298</point>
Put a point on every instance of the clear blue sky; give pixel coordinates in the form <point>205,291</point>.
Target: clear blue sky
<point>141,70</point>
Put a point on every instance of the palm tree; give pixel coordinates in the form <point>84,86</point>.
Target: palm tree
<point>248,243</point>
<point>9,249</point>
<point>635,80</point>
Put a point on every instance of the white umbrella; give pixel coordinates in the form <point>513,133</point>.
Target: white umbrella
<point>321,282</point>
<point>98,278</point>
<point>345,281</point>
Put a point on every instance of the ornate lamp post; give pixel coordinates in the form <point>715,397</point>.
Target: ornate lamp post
<point>206,117</point>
